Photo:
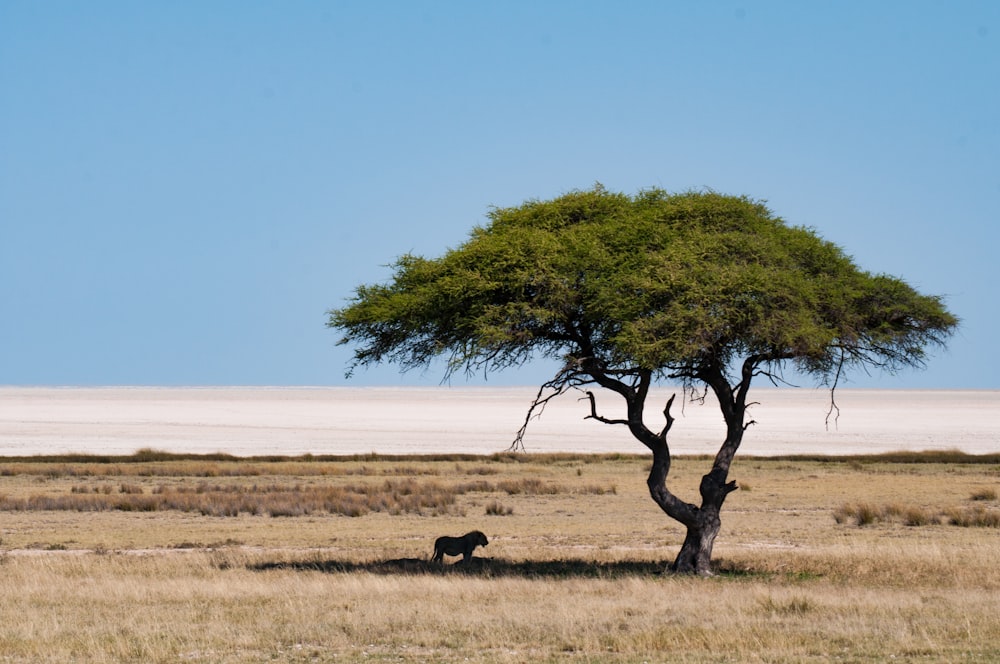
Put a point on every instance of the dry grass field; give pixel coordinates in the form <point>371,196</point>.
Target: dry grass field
<point>157,558</point>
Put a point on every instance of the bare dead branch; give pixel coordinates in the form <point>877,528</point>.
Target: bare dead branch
<point>774,379</point>
<point>834,410</point>
<point>668,417</point>
<point>568,377</point>
<point>535,410</point>
<point>593,412</point>
<point>833,389</point>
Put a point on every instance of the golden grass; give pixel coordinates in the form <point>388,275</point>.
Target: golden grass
<point>865,514</point>
<point>287,498</point>
<point>571,574</point>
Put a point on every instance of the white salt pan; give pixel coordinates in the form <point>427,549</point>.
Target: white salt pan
<point>343,420</point>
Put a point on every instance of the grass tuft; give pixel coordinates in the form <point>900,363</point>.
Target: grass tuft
<point>866,514</point>
<point>984,494</point>
<point>795,605</point>
<point>918,516</point>
<point>976,516</point>
<point>404,493</point>
<point>497,509</point>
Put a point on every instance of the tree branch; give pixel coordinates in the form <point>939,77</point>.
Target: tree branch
<point>668,416</point>
<point>833,390</point>
<point>563,381</point>
<point>593,412</point>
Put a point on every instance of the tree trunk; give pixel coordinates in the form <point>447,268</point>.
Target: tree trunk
<point>695,556</point>
<point>702,523</point>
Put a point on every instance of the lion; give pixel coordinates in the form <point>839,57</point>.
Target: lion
<point>455,546</point>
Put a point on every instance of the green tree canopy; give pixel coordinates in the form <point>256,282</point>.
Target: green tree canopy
<point>667,283</point>
<point>700,287</point>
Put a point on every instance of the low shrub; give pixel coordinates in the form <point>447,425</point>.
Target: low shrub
<point>497,509</point>
<point>918,516</point>
<point>865,514</point>
<point>405,495</point>
<point>976,516</point>
<point>984,494</point>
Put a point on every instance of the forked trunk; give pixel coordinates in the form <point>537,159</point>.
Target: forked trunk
<point>702,523</point>
<point>695,556</point>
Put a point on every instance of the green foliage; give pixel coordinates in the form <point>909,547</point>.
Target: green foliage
<point>665,283</point>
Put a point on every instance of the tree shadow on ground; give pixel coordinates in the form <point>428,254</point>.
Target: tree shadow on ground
<point>481,567</point>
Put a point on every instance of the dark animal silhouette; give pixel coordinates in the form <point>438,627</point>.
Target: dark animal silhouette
<point>458,546</point>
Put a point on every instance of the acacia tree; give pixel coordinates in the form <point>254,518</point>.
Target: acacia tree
<point>625,291</point>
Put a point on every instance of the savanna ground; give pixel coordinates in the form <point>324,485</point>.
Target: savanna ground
<point>160,558</point>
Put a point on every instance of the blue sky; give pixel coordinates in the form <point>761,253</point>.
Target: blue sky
<point>187,187</point>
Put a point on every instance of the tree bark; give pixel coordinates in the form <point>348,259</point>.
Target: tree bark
<point>703,523</point>
<point>695,556</point>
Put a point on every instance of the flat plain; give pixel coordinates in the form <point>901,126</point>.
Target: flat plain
<point>295,525</point>
<point>479,420</point>
<point>164,558</point>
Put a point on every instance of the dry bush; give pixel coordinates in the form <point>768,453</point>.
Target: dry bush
<point>918,516</point>
<point>864,514</point>
<point>495,508</point>
<point>902,457</point>
<point>392,496</point>
<point>481,470</point>
<point>401,494</point>
<point>786,606</point>
<point>984,494</point>
<point>529,485</point>
<point>975,516</point>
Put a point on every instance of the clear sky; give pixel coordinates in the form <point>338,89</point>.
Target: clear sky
<point>186,187</point>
